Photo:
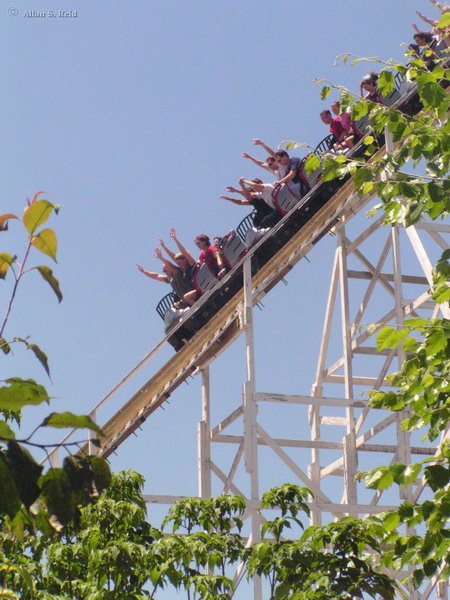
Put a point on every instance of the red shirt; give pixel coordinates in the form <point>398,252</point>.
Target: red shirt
<point>208,256</point>
<point>336,128</point>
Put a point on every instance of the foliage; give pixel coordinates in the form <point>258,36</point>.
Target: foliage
<point>422,385</point>
<point>22,482</point>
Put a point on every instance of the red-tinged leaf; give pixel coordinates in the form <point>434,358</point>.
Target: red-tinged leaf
<point>37,214</point>
<point>46,242</point>
<point>4,220</point>
<point>35,197</point>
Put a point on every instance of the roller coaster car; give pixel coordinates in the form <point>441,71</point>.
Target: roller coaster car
<point>203,279</point>
<point>300,202</point>
<point>232,249</point>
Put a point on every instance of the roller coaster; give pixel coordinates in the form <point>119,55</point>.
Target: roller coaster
<point>295,208</point>
<point>224,312</point>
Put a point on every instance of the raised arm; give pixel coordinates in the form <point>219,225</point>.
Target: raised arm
<point>439,5</point>
<point>432,22</point>
<point>152,275</point>
<point>258,187</point>
<point>166,249</point>
<point>260,163</point>
<point>235,200</point>
<point>230,188</point>
<point>187,255</point>
<point>259,142</point>
<point>169,266</point>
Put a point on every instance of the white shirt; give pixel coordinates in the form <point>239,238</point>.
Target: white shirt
<point>266,194</point>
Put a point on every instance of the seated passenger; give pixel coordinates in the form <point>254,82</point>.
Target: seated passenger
<point>210,255</point>
<point>265,192</point>
<point>353,134</point>
<point>216,241</point>
<point>441,34</point>
<point>292,166</point>
<point>251,198</point>
<point>343,141</point>
<point>369,83</point>
<point>174,276</point>
<point>186,263</point>
<point>427,44</point>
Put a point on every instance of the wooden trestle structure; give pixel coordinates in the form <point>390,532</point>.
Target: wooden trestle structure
<point>334,402</point>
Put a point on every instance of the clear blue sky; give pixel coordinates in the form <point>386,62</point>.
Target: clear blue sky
<point>133,116</point>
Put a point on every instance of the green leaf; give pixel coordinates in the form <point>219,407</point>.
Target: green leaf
<point>362,176</point>
<point>389,337</point>
<point>20,393</point>
<point>69,420</point>
<point>102,473</point>
<point>410,474</point>
<point>433,95</point>
<point>46,242</point>
<point>4,346</point>
<point>47,274</point>
<point>25,471</point>
<point>312,163</point>
<point>379,479</point>
<point>6,260</point>
<point>6,432</point>
<point>391,521</point>
<point>37,214</point>
<point>9,496</point>
<point>444,21</point>
<point>367,187</point>
<point>41,356</point>
<point>437,477</point>
<point>386,82</point>
<point>325,92</point>
<point>435,342</point>
<point>330,170</point>
<point>59,496</point>
<point>359,110</point>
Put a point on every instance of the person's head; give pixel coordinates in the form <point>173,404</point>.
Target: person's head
<point>170,269</point>
<point>181,261</point>
<point>202,241</point>
<point>326,117</point>
<point>271,162</point>
<point>423,38</point>
<point>369,82</point>
<point>282,157</point>
<point>336,107</point>
<point>217,241</point>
